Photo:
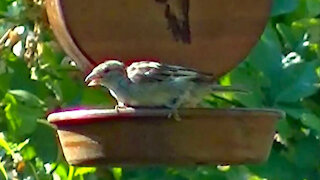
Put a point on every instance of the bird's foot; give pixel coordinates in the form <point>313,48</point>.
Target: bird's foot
<point>118,107</point>
<point>175,115</point>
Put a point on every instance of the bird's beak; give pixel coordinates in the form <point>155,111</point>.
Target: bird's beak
<point>93,79</point>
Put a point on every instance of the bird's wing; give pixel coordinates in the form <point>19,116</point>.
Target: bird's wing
<point>148,71</point>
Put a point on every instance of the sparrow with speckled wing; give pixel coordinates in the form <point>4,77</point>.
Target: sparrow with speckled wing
<point>151,84</point>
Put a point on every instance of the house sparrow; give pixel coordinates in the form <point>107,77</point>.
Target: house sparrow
<point>151,84</point>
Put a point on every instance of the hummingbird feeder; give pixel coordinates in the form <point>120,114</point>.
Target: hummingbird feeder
<point>210,35</point>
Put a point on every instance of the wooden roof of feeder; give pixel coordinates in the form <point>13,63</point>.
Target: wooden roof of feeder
<point>221,32</point>
<point>209,35</point>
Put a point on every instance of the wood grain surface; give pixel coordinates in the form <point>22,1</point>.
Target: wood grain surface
<point>146,136</point>
<point>222,32</point>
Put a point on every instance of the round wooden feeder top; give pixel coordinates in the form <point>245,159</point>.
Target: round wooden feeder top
<point>216,36</point>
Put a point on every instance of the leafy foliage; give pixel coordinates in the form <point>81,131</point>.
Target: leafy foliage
<point>36,78</point>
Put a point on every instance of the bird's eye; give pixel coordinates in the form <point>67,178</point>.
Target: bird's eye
<point>106,71</point>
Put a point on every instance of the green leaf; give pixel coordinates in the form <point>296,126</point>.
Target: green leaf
<point>61,170</point>
<point>22,110</point>
<point>3,172</point>
<point>50,56</point>
<point>5,146</point>
<point>312,121</point>
<point>293,109</point>
<point>43,140</point>
<point>254,81</point>
<point>277,167</point>
<point>292,37</point>
<point>20,79</point>
<point>28,153</point>
<point>313,7</point>
<point>4,83</point>
<point>27,99</point>
<point>3,6</point>
<point>15,10</point>
<point>314,33</point>
<point>71,91</point>
<point>197,172</point>
<point>283,6</point>
<point>266,56</point>
<point>71,172</point>
<point>297,81</point>
<point>21,120</point>
<point>306,153</point>
<point>238,172</point>
<point>96,97</point>
<point>80,171</point>
<point>117,173</point>
<point>284,129</point>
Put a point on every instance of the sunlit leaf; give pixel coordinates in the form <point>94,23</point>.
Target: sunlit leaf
<point>26,98</point>
<point>22,110</point>
<point>3,172</point>
<point>71,172</point>
<point>117,173</point>
<point>4,144</point>
<point>3,6</point>
<point>61,170</point>
<point>84,170</point>
<point>28,153</point>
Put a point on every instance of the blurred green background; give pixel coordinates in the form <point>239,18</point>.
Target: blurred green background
<point>36,77</point>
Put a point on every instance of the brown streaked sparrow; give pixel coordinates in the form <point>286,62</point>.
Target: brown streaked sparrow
<point>151,84</point>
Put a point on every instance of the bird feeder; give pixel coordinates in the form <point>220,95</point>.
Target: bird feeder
<point>214,36</point>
